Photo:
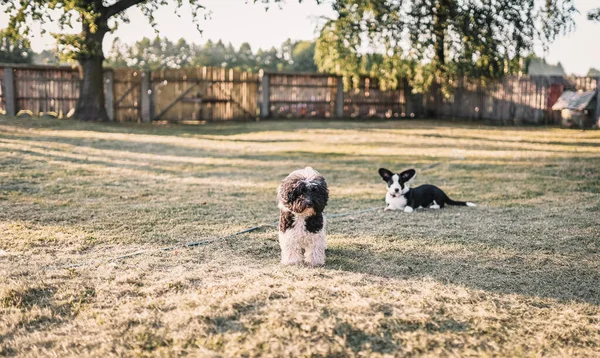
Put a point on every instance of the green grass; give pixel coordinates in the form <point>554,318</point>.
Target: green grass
<point>517,276</point>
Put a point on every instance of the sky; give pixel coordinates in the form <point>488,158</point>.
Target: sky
<point>239,21</point>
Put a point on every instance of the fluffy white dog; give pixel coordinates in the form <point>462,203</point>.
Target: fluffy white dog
<point>302,198</point>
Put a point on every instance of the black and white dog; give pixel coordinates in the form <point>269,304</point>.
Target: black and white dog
<point>302,198</point>
<point>400,196</point>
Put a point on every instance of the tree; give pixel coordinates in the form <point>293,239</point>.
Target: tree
<point>245,58</point>
<point>303,57</point>
<point>14,50</point>
<point>593,72</point>
<point>297,56</point>
<point>536,66</point>
<point>46,57</point>
<point>119,54</point>
<point>594,15</point>
<point>203,54</point>
<point>219,56</point>
<point>482,39</point>
<point>270,59</point>
<point>97,18</point>
<point>149,54</point>
<point>163,53</point>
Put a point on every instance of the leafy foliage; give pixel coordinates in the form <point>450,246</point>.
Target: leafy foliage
<point>163,53</point>
<point>594,15</point>
<point>96,18</point>
<point>536,66</point>
<point>480,39</point>
<point>47,57</point>
<point>14,50</point>
<point>593,72</point>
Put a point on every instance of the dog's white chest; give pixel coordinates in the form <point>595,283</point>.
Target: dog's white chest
<point>298,233</point>
<point>297,238</point>
<point>395,203</point>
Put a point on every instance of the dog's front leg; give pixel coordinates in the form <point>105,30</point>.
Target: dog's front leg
<point>291,251</point>
<point>316,243</point>
<point>314,255</point>
<point>408,209</point>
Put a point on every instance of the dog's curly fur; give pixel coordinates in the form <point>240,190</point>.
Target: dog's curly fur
<point>302,197</point>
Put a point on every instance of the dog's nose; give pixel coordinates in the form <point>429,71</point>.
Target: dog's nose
<point>397,190</point>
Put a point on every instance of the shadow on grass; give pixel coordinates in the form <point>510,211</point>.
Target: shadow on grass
<point>248,127</point>
<point>55,311</point>
<point>573,282</point>
<point>395,142</point>
<point>486,250</point>
<point>509,140</point>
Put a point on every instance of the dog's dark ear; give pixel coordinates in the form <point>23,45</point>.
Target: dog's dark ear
<point>408,175</point>
<point>385,174</point>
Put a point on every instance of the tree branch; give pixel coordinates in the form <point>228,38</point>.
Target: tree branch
<point>121,6</point>
<point>594,15</point>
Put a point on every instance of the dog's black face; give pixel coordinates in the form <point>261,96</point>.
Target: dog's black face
<point>304,192</point>
<point>397,184</point>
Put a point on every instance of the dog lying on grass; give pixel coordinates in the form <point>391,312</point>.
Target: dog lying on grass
<point>400,196</point>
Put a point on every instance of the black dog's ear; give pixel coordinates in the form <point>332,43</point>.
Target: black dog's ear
<point>408,175</point>
<point>385,174</point>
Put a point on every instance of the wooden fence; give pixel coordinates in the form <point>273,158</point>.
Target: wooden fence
<point>200,94</point>
<point>203,93</point>
<point>515,99</point>
<point>305,95</point>
<point>219,94</point>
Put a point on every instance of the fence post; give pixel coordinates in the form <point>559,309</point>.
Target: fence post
<point>8,82</point>
<point>339,98</point>
<point>109,99</point>
<point>146,97</point>
<point>597,114</point>
<point>266,97</point>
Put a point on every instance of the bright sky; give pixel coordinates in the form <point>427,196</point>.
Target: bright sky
<point>239,21</point>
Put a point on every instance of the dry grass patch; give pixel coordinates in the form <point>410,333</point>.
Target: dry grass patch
<point>517,276</point>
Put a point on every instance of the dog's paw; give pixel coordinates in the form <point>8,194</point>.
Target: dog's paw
<point>408,209</point>
<point>290,263</point>
<point>315,263</point>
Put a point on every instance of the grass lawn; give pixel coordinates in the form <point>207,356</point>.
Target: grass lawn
<point>517,276</point>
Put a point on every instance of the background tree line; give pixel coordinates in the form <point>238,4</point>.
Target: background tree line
<point>158,53</point>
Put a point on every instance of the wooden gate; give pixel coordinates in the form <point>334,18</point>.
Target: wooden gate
<point>204,94</point>
<point>126,87</point>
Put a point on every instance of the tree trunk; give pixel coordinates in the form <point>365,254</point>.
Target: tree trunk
<point>440,24</point>
<point>90,105</point>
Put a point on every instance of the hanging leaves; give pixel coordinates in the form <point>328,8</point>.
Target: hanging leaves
<point>445,39</point>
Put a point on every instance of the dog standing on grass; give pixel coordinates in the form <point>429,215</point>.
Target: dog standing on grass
<point>302,197</point>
